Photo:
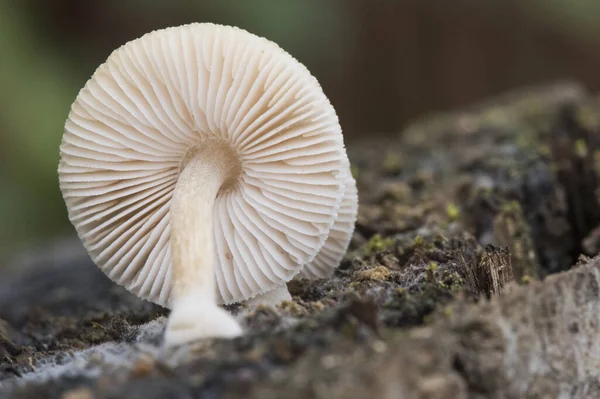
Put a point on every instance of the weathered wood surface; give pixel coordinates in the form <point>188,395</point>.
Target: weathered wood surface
<point>460,282</point>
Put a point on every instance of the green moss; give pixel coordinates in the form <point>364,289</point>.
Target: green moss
<point>526,279</point>
<point>544,150</point>
<point>419,241</point>
<point>431,268</point>
<point>512,206</point>
<point>452,282</point>
<point>393,162</point>
<point>581,148</point>
<point>453,212</point>
<point>448,311</point>
<point>523,141</point>
<point>379,273</point>
<point>378,244</point>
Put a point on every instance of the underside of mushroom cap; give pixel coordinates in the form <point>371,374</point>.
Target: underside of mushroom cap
<point>336,245</point>
<point>172,91</point>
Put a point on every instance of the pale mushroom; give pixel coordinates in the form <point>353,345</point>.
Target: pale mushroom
<point>202,165</point>
<point>336,245</point>
<point>331,253</point>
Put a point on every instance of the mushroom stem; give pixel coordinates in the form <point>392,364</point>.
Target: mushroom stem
<point>195,313</point>
<point>270,298</point>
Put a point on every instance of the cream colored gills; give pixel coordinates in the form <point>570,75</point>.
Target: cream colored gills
<point>330,254</point>
<point>336,245</point>
<point>201,165</point>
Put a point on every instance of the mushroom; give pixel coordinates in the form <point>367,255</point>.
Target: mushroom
<point>336,245</point>
<point>332,252</point>
<point>202,165</point>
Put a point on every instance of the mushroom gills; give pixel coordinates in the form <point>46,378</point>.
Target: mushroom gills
<point>332,252</point>
<point>207,170</point>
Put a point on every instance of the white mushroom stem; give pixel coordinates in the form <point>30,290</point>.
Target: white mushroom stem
<point>272,298</point>
<point>195,313</point>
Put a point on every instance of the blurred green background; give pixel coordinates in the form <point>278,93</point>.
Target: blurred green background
<point>380,62</point>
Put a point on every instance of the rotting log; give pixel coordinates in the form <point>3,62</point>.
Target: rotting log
<point>464,279</point>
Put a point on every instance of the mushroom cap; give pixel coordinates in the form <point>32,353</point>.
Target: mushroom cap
<point>169,91</point>
<point>336,245</point>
